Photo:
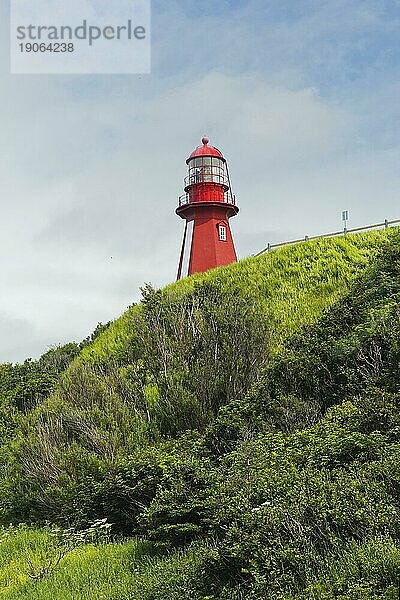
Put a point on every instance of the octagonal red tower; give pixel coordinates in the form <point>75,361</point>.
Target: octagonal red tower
<point>206,206</point>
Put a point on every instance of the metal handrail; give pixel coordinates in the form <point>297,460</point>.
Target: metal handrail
<point>228,199</point>
<point>306,238</point>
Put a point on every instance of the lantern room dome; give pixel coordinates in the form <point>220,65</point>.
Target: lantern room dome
<point>206,150</point>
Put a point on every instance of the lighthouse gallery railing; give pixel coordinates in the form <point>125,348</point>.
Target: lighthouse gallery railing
<point>228,199</point>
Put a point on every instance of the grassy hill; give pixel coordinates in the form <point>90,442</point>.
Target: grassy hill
<point>239,430</point>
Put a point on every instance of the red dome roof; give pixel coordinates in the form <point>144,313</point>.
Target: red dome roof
<point>205,150</point>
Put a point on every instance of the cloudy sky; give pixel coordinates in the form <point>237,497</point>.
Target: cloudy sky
<point>302,96</point>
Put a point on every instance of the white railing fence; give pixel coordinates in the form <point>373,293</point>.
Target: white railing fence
<point>344,231</point>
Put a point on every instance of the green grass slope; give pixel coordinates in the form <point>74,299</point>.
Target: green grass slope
<point>244,422</point>
<point>293,284</point>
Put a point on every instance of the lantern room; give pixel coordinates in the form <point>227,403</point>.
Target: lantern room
<point>208,176</point>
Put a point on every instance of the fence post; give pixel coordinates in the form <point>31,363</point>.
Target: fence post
<point>268,247</point>
<point>386,224</point>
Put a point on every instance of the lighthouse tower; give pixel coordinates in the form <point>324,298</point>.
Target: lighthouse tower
<point>206,207</point>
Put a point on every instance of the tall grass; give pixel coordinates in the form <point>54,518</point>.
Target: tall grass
<point>117,571</point>
<point>101,572</point>
<point>294,285</point>
<point>365,571</point>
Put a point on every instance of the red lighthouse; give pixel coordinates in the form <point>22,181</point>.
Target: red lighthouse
<point>206,206</point>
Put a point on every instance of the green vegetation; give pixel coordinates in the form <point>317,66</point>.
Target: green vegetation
<point>101,569</point>
<point>238,429</point>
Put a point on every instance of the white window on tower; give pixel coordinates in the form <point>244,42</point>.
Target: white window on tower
<point>222,233</point>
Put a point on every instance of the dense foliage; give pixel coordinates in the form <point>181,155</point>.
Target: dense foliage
<point>244,422</point>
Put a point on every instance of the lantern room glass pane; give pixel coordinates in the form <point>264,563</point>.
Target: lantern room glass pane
<point>217,175</point>
<point>218,170</point>
<point>198,174</point>
<point>195,171</point>
<point>207,173</point>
